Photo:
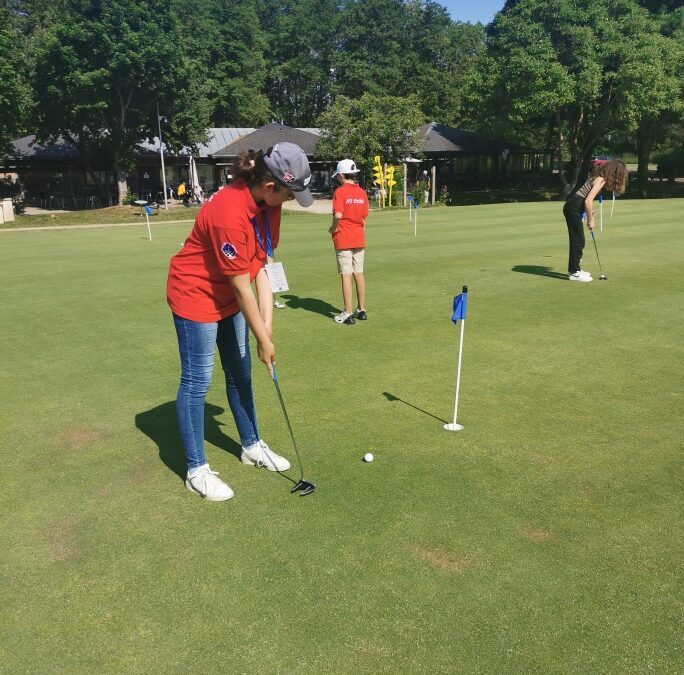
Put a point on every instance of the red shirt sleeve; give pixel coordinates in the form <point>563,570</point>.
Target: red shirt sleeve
<point>231,249</point>
<point>338,201</point>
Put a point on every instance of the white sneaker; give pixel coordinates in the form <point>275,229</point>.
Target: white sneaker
<point>261,455</point>
<point>580,276</point>
<point>207,484</point>
<point>343,317</point>
<point>586,274</point>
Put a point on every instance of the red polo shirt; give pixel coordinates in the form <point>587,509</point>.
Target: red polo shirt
<point>223,243</point>
<point>352,202</point>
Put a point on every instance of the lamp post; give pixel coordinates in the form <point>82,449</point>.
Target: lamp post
<point>161,154</point>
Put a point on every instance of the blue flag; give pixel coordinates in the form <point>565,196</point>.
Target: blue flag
<point>600,199</point>
<point>460,302</point>
<point>148,210</point>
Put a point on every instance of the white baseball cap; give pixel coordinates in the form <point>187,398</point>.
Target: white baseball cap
<point>346,166</point>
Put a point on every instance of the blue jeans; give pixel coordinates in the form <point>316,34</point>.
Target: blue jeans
<point>196,343</point>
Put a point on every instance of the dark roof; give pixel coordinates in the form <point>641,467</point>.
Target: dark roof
<point>440,139</point>
<point>28,147</point>
<point>267,136</point>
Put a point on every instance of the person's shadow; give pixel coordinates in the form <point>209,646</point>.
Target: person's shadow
<point>311,305</point>
<point>539,270</point>
<point>161,425</point>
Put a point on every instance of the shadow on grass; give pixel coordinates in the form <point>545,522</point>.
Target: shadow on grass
<point>392,397</point>
<point>161,425</point>
<point>539,270</point>
<point>311,305</point>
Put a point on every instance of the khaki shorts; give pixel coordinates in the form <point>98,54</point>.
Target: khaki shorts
<point>350,260</point>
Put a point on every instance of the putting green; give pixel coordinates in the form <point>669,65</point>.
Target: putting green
<point>546,536</point>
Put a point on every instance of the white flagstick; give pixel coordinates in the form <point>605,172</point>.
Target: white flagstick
<point>454,426</point>
<point>149,231</point>
<point>415,221</point>
<point>601,215</point>
<point>612,206</point>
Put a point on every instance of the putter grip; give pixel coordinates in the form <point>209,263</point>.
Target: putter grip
<point>465,289</point>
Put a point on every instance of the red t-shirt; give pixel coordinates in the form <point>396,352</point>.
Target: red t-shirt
<point>222,244</point>
<point>352,202</point>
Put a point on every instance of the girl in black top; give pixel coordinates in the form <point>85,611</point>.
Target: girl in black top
<point>613,176</point>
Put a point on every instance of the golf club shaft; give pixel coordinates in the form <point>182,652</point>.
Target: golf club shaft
<point>289,426</point>
<point>596,249</point>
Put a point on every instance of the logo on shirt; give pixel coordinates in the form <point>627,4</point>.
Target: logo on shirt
<point>228,250</point>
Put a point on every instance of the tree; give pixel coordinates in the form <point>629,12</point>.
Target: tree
<point>302,36</point>
<point>14,92</point>
<point>577,67</point>
<point>225,48</point>
<point>100,69</point>
<point>368,126</point>
<point>659,112</point>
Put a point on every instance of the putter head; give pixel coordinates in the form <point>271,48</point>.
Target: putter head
<point>306,486</point>
<point>603,277</point>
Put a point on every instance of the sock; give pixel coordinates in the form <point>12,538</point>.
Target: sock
<point>193,472</point>
<point>256,446</point>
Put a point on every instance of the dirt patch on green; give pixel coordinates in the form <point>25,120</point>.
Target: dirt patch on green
<point>61,541</point>
<point>446,561</point>
<point>535,533</point>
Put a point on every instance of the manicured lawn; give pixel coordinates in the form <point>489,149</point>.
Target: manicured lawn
<point>545,537</point>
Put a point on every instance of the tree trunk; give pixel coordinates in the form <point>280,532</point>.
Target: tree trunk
<point>644,147</point>
<point>120,177</point>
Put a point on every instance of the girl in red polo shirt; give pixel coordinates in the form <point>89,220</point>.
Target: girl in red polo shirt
<point>350,209</point>
<point>210,293</point>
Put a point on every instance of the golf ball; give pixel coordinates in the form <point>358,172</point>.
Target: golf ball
<point>368,457</point>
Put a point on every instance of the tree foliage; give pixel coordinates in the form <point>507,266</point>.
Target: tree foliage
<point>14,91</point>
<point>579,68</point>
<point>99,73</point>
<point>368,126</point>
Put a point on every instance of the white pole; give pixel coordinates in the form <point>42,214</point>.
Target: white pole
<point>415,221</point>
<point>161,154</point>
<point>601,212</point>
<point>613,206</point>
<point>454,426</point>
<point>149,230</point>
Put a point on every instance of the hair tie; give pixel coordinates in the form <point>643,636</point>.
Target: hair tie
<point>252,163</point>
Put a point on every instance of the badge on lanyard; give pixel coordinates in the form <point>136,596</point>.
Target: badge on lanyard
<point>274,271</point>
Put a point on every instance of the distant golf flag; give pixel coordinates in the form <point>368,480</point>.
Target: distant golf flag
<point>601,211</point>
<point>148,212</point>
<point>459,314</point>
<point>612,206</point>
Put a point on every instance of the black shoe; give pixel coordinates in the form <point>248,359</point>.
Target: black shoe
<point>349,320</point>
<point>360,314</point>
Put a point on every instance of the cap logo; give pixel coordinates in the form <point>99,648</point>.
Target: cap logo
<point>288,177</point>
<point>228,250</point>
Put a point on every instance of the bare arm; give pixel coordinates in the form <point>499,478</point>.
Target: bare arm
<point>337,216</point>
<point>596,186</point>
<point>250,309</point>
<point>265,297</point>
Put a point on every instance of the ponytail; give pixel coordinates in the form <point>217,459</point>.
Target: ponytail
<point>250,167</point>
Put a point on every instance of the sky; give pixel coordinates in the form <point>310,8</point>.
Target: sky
<point>472,10</point>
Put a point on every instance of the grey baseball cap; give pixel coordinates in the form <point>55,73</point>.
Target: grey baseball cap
<point>289,166</point>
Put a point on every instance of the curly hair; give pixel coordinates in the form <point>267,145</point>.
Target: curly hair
<point>615,173</point>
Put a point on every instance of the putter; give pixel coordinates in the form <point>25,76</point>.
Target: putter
<point>306,486</point>
<point>603,277</point>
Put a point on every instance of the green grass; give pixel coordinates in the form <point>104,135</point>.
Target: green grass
<point>106,216</point>
<point>545,537</point>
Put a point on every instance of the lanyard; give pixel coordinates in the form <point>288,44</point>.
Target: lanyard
<point>268,249</point>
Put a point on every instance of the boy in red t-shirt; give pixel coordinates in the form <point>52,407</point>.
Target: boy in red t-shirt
<point>350,209</point>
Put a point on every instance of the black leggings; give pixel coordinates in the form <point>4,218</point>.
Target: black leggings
<point>573,217</point>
